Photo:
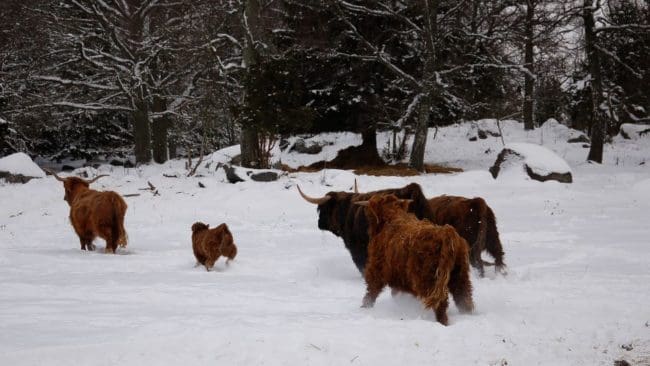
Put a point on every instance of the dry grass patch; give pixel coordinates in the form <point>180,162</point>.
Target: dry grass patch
<point>397,170</point>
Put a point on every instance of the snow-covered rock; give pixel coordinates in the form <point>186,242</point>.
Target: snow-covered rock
<point>632,131</point>
<point>19,168</point>
<point>537,161</point>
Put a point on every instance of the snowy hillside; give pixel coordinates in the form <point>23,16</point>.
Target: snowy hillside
<point>577,292</point>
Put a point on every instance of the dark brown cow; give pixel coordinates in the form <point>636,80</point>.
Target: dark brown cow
<point>473,220</point>
<point>415,256</point>
<point>94,213</point>
<point>210,244</point>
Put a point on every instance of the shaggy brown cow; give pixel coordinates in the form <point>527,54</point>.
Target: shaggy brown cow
<point>94,213</point>
<point>415,256</point>
<point>209,244</point>
<point>473,220</point>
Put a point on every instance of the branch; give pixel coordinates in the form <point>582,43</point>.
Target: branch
<point>58,80</point>
<point>85,106</point>
<point>620,62</point>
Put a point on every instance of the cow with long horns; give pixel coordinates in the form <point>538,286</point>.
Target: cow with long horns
<point>471,217</point>
<point>94,213</point>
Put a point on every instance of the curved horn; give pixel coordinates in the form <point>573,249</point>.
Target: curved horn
<point>97,177</point>
<point>54,174</point>
<point>356,189</point>
<point>316,201</point>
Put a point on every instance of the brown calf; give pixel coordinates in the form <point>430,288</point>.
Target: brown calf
<point>94,213</point>
<point>415,256</point>
<point>209,244</point>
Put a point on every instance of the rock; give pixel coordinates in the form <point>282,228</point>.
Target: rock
<point>538,162</point>
<point>578,139</point>
<point>236,160</point>
<point>15,178</point>
<point>284,143</point>
<point>631,131</point>
<point>265,177</point>
<point>231,175</point>
<point>473,138</point>
<point>300,146</point>
<point>482,134</point>
<point>19,168</point>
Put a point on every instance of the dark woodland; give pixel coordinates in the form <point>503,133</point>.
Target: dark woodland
<point>140,81</point>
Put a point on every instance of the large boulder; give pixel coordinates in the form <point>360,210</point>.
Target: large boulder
<point>19,168</point>
<point>300,146</point>
<point>630,131</point>
<point>538,162</point>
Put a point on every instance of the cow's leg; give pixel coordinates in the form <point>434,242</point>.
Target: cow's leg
<point>86,242</point>
<point>460,286</point>
<point>441,311</point>
<point>209,263</point>
<point>475,258</point>
<point>374,285</point>
<point>111,246</point>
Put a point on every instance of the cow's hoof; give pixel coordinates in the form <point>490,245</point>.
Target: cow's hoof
<point>502,270</point>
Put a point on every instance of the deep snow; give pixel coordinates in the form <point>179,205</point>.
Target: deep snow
<point>578,286</point>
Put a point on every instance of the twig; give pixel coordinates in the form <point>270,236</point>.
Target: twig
<point>131,195</point>
<point>151,188</point>
<point>201,153</point>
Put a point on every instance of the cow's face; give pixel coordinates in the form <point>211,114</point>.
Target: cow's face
<point>326,216</point>
<point>72,185</point>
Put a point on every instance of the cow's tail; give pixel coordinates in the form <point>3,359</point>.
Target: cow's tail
<point>492,241</point>
<point>117,226</point>
<point>446,262</point>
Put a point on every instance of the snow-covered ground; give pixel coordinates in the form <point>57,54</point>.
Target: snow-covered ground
<point>578,287</point>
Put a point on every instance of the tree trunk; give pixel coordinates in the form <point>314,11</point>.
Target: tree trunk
<point>593,59</point>
<point>430,64</point>
<point>141,133</point>
<point>249,145</point>
<point>529,60</point>
<point>160,128</point>
<point>250,150</point>
<point>420,135</point>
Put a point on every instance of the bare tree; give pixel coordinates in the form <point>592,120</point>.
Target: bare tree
<point>122,56</point>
